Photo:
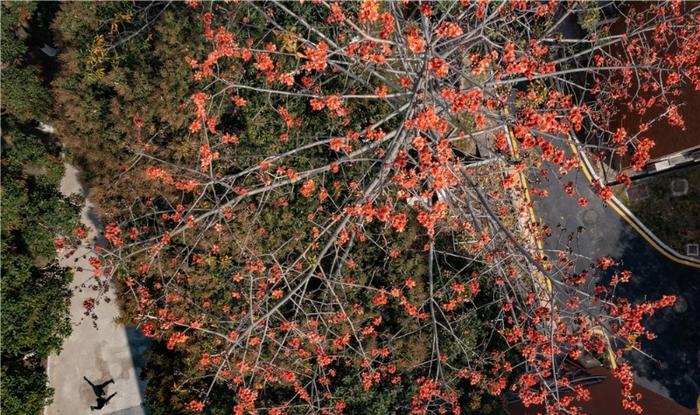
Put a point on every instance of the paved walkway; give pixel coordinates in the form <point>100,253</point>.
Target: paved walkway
<point>110,351</point>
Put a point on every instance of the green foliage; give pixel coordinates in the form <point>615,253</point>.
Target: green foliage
<point>161,369</point>
<point>34,211</point>
<point>23,94</point>
<point>34,318</point>
<point>23,389</point>
<point>35,290</point>
<point>15,15</point>
<point>35,309</point>
<point>589,16</point>
<point>387,398</point>
<point>101,87</point>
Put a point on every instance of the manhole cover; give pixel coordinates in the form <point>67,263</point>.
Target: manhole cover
<point>639,191</point>
<point>692,249</point>
<point>679,187</point>
<point>681,305</point>
<point>590,217</point>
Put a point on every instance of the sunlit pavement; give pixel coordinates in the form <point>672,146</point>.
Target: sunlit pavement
<point>109,352</point>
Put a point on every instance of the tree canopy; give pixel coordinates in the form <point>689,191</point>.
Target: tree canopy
<point>324,207</point>
<point>35,216</point>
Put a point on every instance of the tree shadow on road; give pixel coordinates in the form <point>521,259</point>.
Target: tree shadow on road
<point>674,357</point>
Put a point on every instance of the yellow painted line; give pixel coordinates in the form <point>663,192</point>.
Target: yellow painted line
<point>629,220</point>
<point>611,355</point>
<point>531,211</point>
<point>533,218</point>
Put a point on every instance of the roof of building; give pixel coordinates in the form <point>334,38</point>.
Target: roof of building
<point>668,139</point>
<point>607,400</point>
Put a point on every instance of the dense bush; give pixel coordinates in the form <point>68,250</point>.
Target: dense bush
<point>35,291</point>
<point>316,208</point>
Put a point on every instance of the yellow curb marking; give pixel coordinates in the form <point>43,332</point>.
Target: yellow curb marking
<point>526,190</point>
<point>533,218</point>
<point>629,220</point>
<point>611,355</point>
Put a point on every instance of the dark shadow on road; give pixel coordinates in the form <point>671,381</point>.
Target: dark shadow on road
<point>675,354</point>
<point>138,345</point>
<point>673,365</point>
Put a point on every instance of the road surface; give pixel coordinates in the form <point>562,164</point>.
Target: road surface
<point>111,351</point>
<point>674,367</point>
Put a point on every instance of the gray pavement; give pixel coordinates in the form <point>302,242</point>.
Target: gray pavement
<point>673,365</point>
<point>110,351</point>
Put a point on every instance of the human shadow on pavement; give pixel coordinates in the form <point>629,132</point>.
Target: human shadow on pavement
<point>101,402</point>
<point>99,391</point>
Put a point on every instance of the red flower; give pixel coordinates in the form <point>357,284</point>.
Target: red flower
<point>569,189</point>
<point>369,11</point>
<point>195,406</point>
<point>380,299</point>
<point>605,262</point>
<point>448,29</point>
<point>263,62</point>
<point>509,52</point>
<point>338,144</point>
<point>239,101</point>
<point>199,99</point>
<point>399,222</point>
<point>80,231</point>
<point>438,66</point>
<point>229,138</point>
<point>388,27</point>
<point>307,188</point>
<point>59,244</point>
<point>289,119</point>
<point>426,120</point>
<point>206,157</point>
<point>336,15</point>
<point>624,374</point>
<point>674,117</point>
<point>138,122</point>
<point>415,40</point>
<point>623,178</point>
<point>316,57</point>
<point>175,339</point>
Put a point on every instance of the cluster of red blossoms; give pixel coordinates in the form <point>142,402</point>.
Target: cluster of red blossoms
<point>436,159</point>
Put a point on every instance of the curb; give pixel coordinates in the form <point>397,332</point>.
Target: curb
<point>513,144</point>
<point>631,219</point>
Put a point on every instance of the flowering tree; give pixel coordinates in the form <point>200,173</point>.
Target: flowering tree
<point>344,224</point>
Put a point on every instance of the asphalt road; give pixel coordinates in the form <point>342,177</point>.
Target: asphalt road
<point>673,368</point>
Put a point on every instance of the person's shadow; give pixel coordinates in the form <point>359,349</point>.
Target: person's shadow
<point>101,402</point>
<point>99,391</point>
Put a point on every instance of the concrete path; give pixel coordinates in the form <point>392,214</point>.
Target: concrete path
<point>110,351</point>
